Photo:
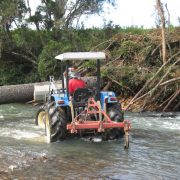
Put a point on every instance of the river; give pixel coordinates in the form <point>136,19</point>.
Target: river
<point>154,150</point>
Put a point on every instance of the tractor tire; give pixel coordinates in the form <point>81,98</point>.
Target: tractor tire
<point>115,113</point>
<point>55,124</point>
<point>41,117</point>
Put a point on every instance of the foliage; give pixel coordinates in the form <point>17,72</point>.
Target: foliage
<point>127,75</point>
<point>90,65</point>
<point>47,64</point>
<point>16,75</point>
<point>128,49</point>
<point>43,46</point>
<point>29,40</point>
<point>61,14</point>
<point>12,11</point>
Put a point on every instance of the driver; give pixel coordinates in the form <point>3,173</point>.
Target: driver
<point>75,82</point>
<point>71,69</point>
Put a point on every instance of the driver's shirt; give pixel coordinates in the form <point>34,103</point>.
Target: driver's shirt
<point>75,84</point>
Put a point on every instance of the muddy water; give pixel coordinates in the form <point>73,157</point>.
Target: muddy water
<point>154,150</point>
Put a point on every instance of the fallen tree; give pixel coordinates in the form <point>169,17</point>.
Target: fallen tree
<point>35,92</point>
<point>16,93</point>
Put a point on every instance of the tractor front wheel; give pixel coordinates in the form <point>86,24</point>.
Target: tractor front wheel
<point>41,117</point>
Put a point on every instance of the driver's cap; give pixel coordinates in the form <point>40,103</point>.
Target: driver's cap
<point>74,74</point>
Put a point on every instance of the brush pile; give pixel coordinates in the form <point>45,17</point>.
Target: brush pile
<point>136,69</point>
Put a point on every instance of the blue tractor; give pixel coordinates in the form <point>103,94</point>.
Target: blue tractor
<point>90,110</point>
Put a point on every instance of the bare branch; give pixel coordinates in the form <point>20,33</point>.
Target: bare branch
<point>172,99</point>
<point>24,57</point>
<point>151,79</point>
<point>125,87</point>
<point>170,81</point>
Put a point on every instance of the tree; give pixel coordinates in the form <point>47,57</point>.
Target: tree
<point>12,11</point>
<point>178,20</point>
<point>160,9</point>
<point>62,13</point>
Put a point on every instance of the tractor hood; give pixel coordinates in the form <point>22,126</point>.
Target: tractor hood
<point>81,56</point>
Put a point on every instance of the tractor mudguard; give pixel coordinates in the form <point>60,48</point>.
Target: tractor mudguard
<point>60,100</point>
<point>107,97</point>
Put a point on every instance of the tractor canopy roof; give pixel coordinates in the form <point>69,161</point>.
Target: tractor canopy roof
<point>81,56</point>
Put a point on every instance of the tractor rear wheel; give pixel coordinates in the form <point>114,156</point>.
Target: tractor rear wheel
<point>115,113</point>
<point>55,123</point>
<point>41,117</point>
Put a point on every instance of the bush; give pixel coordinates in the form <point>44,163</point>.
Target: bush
<point>48,65</point>
<point>17,74</point>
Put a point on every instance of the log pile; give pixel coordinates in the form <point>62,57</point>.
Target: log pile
<point>137,71</point>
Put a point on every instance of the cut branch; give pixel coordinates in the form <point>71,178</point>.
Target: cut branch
<point>151,92</point>
<point>164,102</point>
<point>151,79</point>
<point>110,62</point>
<point>167,72</point>
<point>154,51</point>
<point>102,44</point>
<point>172,99</point>
<point>125,87</point>
<point>24,57</point>
<point>177,105</point>
<point>170,81</point>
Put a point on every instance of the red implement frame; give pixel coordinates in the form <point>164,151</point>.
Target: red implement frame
<point>99,125</point>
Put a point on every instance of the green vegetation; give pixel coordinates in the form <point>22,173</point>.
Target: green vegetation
<point>134,55</point>
<point>31,53</point>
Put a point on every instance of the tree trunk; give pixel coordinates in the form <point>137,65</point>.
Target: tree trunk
<point>33,91</point>
<point>16,93</point>
<point>163,28</point>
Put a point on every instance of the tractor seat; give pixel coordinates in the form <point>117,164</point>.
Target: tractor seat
<point>81,96</point>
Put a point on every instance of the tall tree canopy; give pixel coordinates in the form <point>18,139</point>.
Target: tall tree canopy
<point>12,11</point>
<point>62,13</point>
<point>49,14</point>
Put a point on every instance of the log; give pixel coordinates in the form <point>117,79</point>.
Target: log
<point>41,90</point>
<point>16,93</point>
<point>34,91</point>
